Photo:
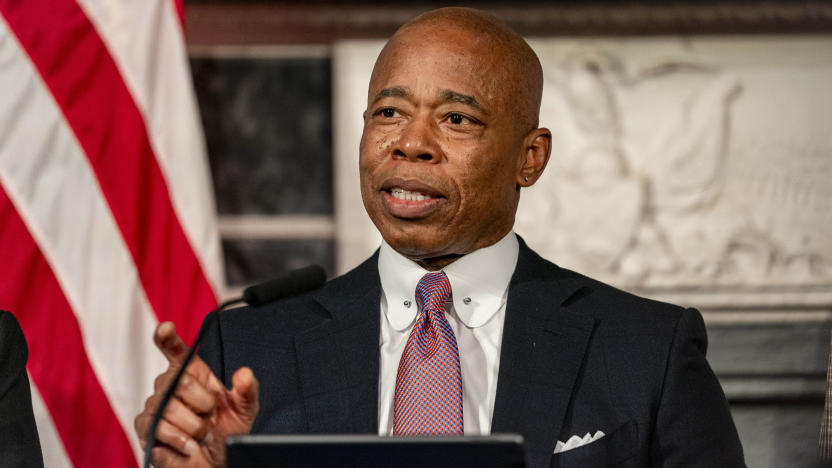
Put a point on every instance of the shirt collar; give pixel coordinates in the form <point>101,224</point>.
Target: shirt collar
<point>482,276</point>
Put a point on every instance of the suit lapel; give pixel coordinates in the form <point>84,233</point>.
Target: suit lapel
<point>338,361</point>
<point>542,353</point>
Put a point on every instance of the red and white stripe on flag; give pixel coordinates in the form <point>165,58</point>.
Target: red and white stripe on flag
<point>107,214</point>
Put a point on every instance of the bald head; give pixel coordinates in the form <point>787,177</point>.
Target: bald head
<point>498,50</point>
<point>450,135</point>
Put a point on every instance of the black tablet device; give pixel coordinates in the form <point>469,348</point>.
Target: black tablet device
<point>261,451</point>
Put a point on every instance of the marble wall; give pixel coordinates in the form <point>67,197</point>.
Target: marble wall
<point>269,137</point>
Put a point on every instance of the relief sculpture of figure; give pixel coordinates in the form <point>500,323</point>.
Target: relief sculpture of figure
<point>620,199</point>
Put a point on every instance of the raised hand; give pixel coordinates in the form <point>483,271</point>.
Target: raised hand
<point>202,412</point>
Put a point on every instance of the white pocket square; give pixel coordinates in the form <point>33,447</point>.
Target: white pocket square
<point>575,441</point>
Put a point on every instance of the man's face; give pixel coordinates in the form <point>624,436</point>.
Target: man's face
<point>440,154</point>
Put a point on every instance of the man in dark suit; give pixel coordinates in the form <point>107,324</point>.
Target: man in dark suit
<point>589,375</point>
<point>19,442</point>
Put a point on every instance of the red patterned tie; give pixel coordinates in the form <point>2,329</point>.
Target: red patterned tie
<point>428,399</point>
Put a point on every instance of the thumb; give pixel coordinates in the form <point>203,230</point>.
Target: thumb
<point>245,394</point>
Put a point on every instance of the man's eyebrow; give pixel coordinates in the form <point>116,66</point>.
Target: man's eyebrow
<point>447,95</point>
<point>396,91</point>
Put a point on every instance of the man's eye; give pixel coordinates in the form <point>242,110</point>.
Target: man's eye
<point>388,113</point>
<point>458,119</point>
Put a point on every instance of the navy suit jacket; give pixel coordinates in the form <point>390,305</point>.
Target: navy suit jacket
<point>19,443</point>
<point>577,356</point>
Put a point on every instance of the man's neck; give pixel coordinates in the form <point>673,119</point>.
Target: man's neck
<point>440,262</point>
<point>437,263</point>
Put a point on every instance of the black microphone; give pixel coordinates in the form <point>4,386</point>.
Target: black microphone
<point>294,283</point>
<point>297,282</point>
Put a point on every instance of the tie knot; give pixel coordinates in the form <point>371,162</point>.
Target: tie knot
<point>433,290</point>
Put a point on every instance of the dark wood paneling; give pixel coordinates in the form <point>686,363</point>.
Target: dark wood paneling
<point>236,23</point>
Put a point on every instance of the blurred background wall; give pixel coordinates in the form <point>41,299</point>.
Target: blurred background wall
<point>692,163</point>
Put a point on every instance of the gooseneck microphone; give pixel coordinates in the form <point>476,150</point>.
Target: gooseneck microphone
<point>294,283</point>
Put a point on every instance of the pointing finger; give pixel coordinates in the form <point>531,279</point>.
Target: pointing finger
<point>169,343</point>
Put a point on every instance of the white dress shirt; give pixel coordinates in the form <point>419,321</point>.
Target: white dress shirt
<point>476,313</point>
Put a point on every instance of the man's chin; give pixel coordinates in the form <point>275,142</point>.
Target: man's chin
<point>416,243</point>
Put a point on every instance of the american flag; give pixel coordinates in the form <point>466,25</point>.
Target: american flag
<point>107,221</point>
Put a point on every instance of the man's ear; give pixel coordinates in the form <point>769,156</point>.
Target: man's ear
<point>537,147</point>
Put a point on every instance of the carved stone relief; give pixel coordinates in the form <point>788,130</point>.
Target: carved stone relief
<point>687,163</point>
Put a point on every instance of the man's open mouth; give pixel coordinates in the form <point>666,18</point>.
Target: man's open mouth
<point>402,194</point>
<point>410,199</point>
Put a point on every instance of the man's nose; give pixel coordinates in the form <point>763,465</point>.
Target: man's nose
<point>418,142</point>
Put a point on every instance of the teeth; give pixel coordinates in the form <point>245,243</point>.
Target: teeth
<point>403,194</point>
